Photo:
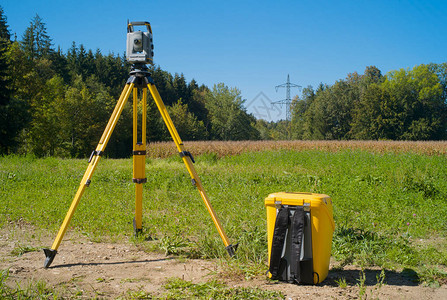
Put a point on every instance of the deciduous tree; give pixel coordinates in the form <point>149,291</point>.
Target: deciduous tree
<point>187,124</point>
<point>229,119</point>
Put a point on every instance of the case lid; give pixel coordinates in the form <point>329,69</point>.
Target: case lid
<point>288,198</point>
<point>320,202</point>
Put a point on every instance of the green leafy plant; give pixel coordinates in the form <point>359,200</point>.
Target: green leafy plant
<point>20,250</point>
<point>341,283</point>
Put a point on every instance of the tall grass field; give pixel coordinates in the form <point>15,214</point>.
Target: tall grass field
<point>390,208</point>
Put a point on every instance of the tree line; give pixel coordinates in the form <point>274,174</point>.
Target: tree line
<point>407,104</point>
<point>58,103</point>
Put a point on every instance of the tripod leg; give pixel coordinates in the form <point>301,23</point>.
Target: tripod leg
<point>139,159</point>
<point>86,179</point>
<point>188,160</point>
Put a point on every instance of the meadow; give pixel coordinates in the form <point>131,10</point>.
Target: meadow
<point>389,203</point>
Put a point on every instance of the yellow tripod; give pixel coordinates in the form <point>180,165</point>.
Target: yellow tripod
<point>139,80</point>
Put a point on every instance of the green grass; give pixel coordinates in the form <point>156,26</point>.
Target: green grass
<point>389,209</point>
<point>182,289</point>
<point>33,290</point>
<point>177,288</point>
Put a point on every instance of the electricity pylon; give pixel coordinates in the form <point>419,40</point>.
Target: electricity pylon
<point>288,101</point>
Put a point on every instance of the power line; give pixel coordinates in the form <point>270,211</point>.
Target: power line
<point>288,101</point>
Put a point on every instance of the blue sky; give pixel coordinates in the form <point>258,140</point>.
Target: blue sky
<point>253,45</point>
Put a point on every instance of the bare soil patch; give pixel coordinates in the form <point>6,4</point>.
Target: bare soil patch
<point>110,270</point>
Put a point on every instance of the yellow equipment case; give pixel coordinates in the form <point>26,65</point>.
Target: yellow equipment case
<point>299,229</point>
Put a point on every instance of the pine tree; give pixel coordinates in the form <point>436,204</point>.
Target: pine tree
<point>59,64</point>
<point>36,42</point>
<point>4,31</point>
<point>4,82</point>
<point>11,110</point>
<point>5,92</point>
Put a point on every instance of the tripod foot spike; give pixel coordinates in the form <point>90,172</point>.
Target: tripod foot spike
<point>137,231</point>
<point>50,254</point>
<point>232,249</point>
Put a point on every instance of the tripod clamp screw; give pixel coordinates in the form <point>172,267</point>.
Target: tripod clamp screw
<point>94,153</point>
<point>187,153</point>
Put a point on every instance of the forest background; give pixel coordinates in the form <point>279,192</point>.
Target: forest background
<point>56,103</point>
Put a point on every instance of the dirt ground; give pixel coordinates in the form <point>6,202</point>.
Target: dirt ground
<point>109,270</point>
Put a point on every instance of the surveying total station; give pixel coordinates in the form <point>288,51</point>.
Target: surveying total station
<point>139,54</point>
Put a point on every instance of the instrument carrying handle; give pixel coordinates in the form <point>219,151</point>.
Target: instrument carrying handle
<point>130,26</point>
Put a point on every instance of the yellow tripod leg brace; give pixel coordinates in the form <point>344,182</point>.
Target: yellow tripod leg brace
<point>86,179</point>
<point>188,160</point>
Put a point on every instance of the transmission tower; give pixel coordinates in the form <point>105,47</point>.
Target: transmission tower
<point>288,101</point>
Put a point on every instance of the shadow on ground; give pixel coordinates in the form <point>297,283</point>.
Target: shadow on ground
<point>407,277</point>
<point>111,263</point>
